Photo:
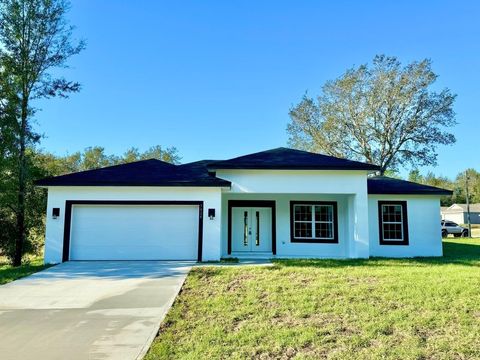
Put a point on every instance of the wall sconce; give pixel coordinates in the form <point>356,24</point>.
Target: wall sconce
<point>55,213</point>
<point>211,214</point>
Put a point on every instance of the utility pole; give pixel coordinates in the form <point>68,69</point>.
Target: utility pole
<point>468,205</point>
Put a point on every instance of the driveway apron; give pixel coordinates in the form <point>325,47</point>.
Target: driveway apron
<point>88,310</point>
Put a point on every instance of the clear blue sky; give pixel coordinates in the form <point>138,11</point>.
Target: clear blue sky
<point>216,79</point>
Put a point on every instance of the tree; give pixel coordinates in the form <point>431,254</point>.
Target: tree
<point>458,185</point>
<point>95,157</point>
<point>35,38</point>
<point>385,114</point>
<point>460,195</point>
<point>415,176</point>
<point>7,143</point>
<point>170,154</point>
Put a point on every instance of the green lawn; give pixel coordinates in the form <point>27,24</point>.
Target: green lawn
<point>9,273</point>
<point>344,309</point>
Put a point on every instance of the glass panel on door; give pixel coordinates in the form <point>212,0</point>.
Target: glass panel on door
<point>251,229</point>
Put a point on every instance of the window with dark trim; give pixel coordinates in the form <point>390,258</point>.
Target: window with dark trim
<point>393,222</point>
<point>313,221</point>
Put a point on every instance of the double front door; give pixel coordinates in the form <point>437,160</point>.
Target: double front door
<point>251,229</point>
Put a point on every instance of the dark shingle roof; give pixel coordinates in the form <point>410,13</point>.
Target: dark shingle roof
<point>290,159</point>
<point>158,173</point>
<point>140,173</point>
<point>386,185</point>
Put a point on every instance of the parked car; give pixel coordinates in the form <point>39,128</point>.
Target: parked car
<point>449,227</point>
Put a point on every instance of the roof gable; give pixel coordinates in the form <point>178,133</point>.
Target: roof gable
<point>455,207</point>
<point>290,159</point>
<point>463,207</point>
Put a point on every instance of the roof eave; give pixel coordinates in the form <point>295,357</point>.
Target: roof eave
<point>439,193</point>
<point>337,168</point>
<point>220,185</point>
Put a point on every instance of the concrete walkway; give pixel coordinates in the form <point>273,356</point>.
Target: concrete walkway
<point>240,262</point>
<point>88,310</point>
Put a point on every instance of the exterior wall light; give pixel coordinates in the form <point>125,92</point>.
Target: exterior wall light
<point>55,213</point>
<point>211,214</point>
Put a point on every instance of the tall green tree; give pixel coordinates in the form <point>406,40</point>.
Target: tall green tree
<point>383,113</point>
<point>460,195</point>
<point>7,144</point>
<point>457,185</point>
<point>95,157</point>
<point>169,154</point>
<point>35,39</point>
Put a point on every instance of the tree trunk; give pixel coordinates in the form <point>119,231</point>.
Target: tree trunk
<point>22,179</point>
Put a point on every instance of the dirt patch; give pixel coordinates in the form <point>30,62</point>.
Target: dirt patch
<point>238,282</point>
<point>362,280</point>
<point>204,273</point>
<point>287,320</point>
<point>329,323</point>
<point>284,354</point>
<point>296,279</point>
<point>239,322</point>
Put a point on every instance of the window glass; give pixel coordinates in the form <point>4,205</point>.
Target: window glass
<point>392,222</point>
<point>313,221</point>
<point>303,230</point>
<point>303,213</point>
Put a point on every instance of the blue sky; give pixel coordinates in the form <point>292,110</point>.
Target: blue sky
<point>216,79</point>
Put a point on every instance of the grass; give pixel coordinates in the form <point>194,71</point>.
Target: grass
<point>9,273</point>
<point>475,229</point>
<point>425,308</point>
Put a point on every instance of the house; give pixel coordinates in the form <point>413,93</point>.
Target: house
<point>458,213</point>
<point>277,203</point>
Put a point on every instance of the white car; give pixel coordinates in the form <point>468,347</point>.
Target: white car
<point>449,227</point>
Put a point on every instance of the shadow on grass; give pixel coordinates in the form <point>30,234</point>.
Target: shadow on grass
<point>459,253</point>
<point>9,273</point>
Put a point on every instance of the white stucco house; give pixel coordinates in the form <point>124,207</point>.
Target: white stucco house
<point>458,213</point>
<point>280,203</point>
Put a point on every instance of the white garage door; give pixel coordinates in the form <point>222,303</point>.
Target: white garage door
<point>134,232</point>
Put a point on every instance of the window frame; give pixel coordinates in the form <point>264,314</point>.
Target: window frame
<point>405,240</point>
<point>293,239</point>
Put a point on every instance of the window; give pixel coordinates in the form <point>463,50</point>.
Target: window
<point>313,221</point>
<point>393,222</point>
<point>245,228</point>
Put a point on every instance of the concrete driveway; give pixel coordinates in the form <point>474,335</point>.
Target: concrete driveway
<point>88,310</point>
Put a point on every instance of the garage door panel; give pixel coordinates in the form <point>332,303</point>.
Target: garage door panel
<point>133,232</point>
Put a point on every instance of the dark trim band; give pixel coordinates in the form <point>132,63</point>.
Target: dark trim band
<point>293,239</point>
<point>252,203</point>
<point>70,203</point>
<point>404,223</point>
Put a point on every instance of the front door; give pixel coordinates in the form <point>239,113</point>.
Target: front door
<point>251,229</point>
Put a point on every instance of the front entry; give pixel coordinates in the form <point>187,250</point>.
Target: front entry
<point>251,229</point>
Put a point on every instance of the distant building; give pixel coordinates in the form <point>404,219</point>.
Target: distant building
<point>458,213</point>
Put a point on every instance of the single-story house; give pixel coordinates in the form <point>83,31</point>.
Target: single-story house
<point>458,213</point>
<point>280,203</point>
